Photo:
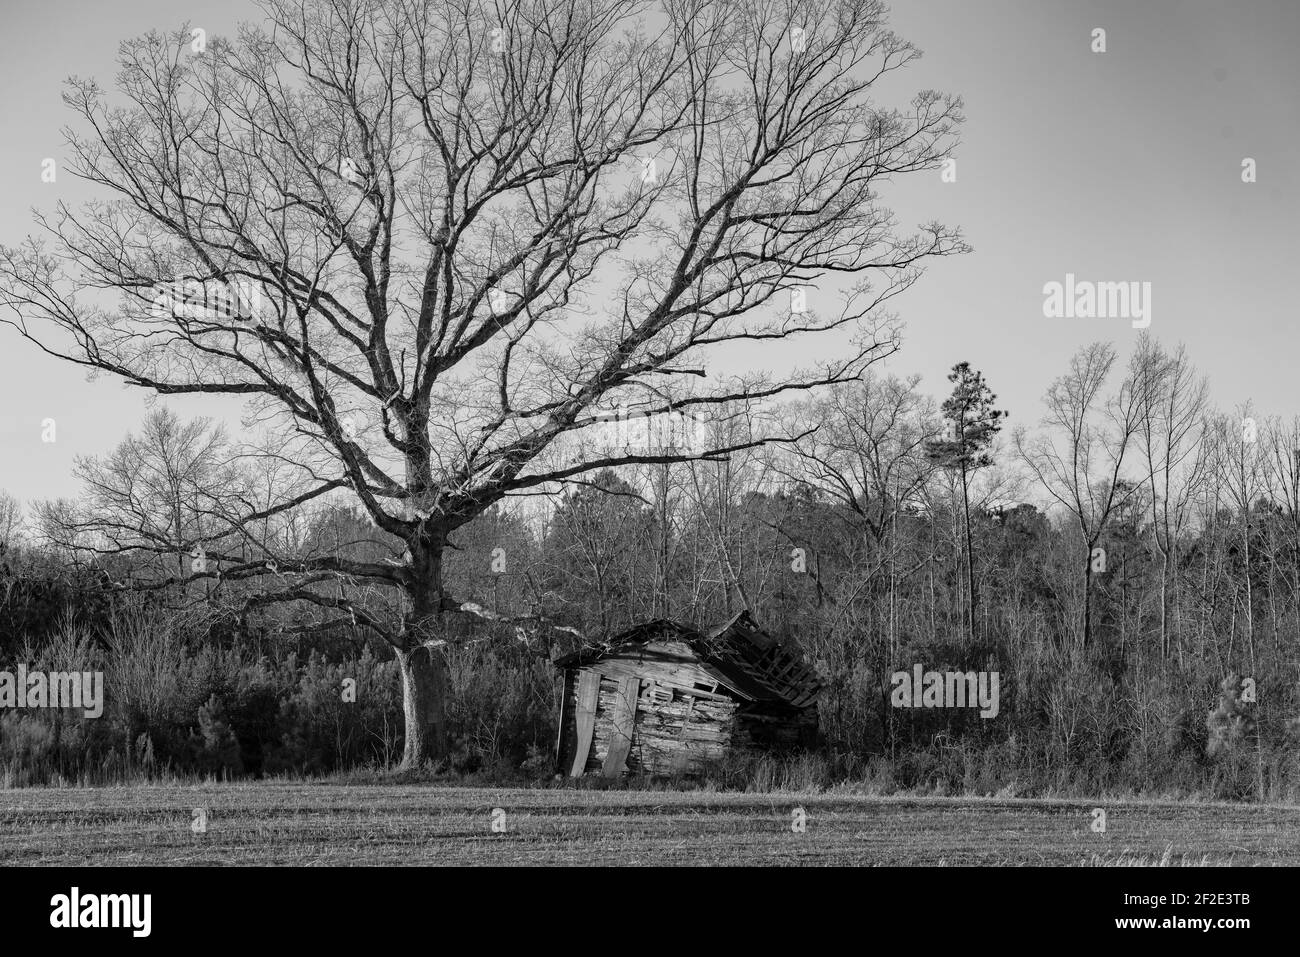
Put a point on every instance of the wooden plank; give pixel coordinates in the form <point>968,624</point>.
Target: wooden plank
<point>684,678</point>
<point>620,737</point>
<point>585,719</point>
<point>564,712</point>
<point>686,718</point>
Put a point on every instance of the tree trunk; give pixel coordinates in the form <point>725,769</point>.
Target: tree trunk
<point>970,560</point>
<point>1250,597</point>
<point>1087,598</point>
<point>424,668</point>
<point>934,597</point>
<point>424,694</point>
<point>958,586</point>
<point>1164,605</point>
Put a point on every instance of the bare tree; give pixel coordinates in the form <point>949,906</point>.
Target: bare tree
<point>863,447</point>
<point>1282,474</point>
<point>1240,463</point>
<point>459,234</point>
<point>598,540</point>
<point>1079,456</point>
<point>717,490</point>
<point>1171,408</point>
<point>11,520</point>
<point>160,493</point>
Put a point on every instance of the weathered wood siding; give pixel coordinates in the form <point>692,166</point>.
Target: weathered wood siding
<point>677,735</point>
<point>682,716</point>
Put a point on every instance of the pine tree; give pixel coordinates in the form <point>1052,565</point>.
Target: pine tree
<point>974,423</point>
<point>1231,725</point>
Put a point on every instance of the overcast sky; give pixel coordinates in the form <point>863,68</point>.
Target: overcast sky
<point>1116,166</point>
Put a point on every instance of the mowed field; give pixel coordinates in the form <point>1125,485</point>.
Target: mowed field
<point>325,824</point>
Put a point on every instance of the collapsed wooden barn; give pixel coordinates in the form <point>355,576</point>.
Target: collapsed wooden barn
<point>665,698</point>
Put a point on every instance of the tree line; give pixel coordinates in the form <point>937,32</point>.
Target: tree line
<point>1129,565</point>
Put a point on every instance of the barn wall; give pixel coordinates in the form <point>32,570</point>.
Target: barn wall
<point>684,717</point>
<point>659,743</point>
<point>670,663</point>
<point>682,734</point>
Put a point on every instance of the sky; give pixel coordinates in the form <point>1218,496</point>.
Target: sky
<point>1115,166</point>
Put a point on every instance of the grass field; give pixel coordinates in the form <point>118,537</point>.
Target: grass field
<point>327,824</point>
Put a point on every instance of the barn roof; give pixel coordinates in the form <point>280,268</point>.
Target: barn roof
<point>747,661</point>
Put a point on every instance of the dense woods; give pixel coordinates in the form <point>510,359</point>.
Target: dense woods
<point>1130,568</point>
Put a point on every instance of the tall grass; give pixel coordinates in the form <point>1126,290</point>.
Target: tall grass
<point>180,705</point>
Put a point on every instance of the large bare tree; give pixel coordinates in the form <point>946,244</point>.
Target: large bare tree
<point>428,243</point>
